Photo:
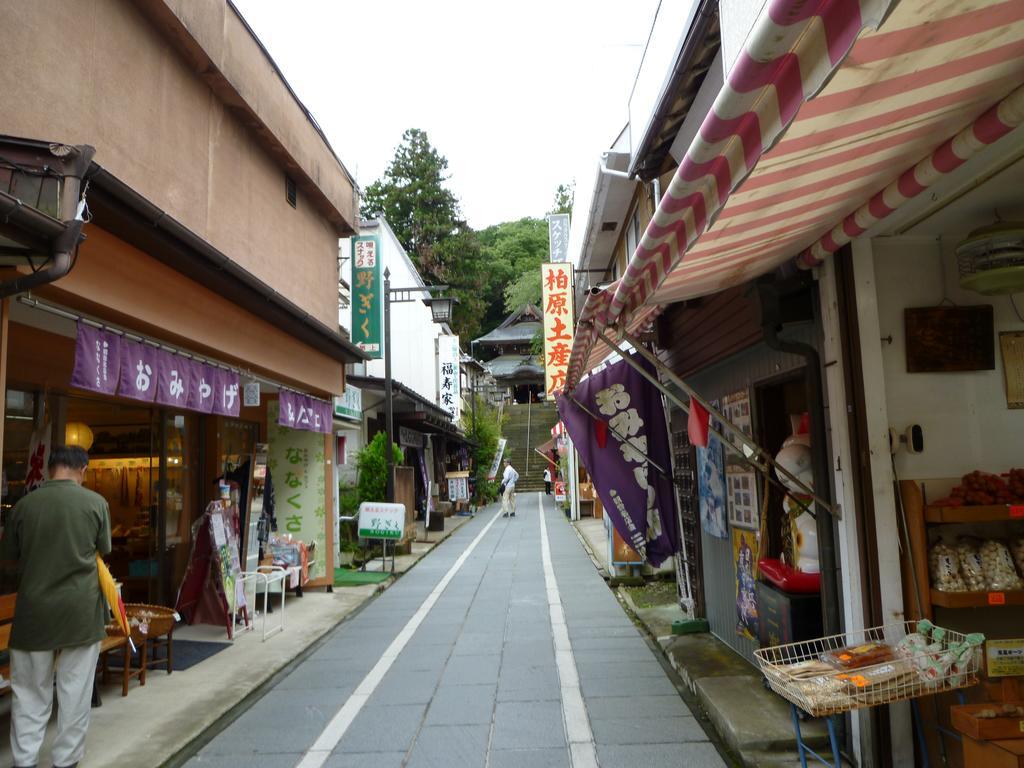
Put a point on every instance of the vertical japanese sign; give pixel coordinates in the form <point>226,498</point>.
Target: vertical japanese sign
<point>556,295</point>
<point>558,237</point>
<point>367,295</point>
<point>297,463</point>
<point>448,386</point>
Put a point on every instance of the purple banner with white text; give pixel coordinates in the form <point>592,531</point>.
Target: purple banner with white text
<point>303,412</point>
<point>621,425</point>
<point>138,371</point>
<point>97,360</point>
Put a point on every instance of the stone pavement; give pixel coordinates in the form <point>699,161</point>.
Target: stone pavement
<point>456,665</point>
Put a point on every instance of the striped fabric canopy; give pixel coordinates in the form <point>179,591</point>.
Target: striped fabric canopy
<point>906,103</point>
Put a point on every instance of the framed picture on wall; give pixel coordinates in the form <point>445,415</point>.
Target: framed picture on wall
<point>741,481</point>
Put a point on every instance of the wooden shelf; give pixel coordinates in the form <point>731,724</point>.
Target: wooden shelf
<point>977,599</point>
<point>997,513</point>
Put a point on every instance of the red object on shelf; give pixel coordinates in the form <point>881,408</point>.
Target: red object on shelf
<point>789,579</point>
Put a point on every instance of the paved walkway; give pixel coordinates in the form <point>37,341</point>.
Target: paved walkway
<point>479,656</point>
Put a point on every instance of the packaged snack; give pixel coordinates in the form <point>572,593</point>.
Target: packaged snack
<point>997,566</point>
<point>858,656</point>
<point>967,550</point>
<point>944,565</point>
<point>1017,551</point>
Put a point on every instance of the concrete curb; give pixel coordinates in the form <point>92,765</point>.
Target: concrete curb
<point>590,553</point>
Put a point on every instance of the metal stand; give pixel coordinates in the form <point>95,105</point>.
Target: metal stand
<point>803,750</point>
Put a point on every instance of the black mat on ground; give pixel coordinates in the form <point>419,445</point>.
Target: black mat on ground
<point>186,653</point>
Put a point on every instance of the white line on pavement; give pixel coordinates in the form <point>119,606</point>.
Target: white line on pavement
<point>577,723</point>
<point>317,755</point>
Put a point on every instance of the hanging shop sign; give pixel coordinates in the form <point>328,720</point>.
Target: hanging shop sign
<point>448,385</point>
<point>556,295</point>
<point>227,399</point>
<point>558,237</point>
<point>616,421</point>
<point>138,371</point>
<point>367,295</point>
<point>711,485</point>
<point>174,376</point>
<point>410,438</point>
<point>493,471</point>
<point>350,404</point>
<point>201,394</point>
<point>97,360</point>
<point>251,394</point>
<point>296,459</point>
<point>458,485</point>
<point>302,412</point>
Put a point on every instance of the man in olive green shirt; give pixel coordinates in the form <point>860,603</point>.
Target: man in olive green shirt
<point>54,533</point>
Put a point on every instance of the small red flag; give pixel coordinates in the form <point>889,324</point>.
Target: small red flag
<point>697,425</point>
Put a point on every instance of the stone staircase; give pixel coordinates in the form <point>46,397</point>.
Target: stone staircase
<point>526,427</point>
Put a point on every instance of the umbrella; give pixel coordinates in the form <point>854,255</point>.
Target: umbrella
<point>109,590</point>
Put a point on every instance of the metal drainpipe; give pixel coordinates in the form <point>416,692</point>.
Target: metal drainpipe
<point>62,255</point>
<point>770,319</point>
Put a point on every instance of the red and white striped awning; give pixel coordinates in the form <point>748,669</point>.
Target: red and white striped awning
<point>906,103</point>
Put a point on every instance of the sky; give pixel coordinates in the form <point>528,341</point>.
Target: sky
<point>520,97</point>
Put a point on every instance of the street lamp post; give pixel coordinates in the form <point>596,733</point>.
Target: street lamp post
<point>441,308</point>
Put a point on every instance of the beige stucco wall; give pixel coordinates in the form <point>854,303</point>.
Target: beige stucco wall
<point>100,72</point>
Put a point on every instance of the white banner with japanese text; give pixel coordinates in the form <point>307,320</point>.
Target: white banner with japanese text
<point>556,295</point>
<point>448,386</point>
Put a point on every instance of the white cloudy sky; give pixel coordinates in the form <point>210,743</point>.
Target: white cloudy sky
<point>518,96</point>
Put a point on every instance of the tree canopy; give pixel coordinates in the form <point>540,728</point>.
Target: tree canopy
<point>492,271</point>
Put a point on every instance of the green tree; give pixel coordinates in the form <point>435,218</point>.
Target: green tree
<point>484,431</point>
<point>564,196</point>
<point>510,250</point>
<point>373,471</point>
<point>418,206</point>
<point>525,289</point>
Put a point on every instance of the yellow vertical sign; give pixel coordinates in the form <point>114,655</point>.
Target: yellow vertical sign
<point>556,297</point>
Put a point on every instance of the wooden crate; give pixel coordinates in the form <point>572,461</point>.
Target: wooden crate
<point>965,720</point>
<point>993,754</point>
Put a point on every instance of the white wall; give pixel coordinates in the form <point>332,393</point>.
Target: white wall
<point>964,416</point>
<point>413,355</point>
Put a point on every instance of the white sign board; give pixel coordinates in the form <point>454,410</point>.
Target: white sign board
<point>497,459</point>
<point>379,520</point>
<point>449,396</point>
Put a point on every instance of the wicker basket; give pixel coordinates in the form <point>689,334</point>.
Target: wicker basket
<point>148,621</point>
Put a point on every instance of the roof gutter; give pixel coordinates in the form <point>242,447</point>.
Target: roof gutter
<point>188,253</point>
<point>61,237</point>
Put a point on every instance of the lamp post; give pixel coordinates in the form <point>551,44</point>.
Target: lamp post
<point>441,308</point>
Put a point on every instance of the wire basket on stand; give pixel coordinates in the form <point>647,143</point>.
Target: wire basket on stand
<point>869,667</point>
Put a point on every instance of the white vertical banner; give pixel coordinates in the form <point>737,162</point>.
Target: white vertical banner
<point>449,395</point>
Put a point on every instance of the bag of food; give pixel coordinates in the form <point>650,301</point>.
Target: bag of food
<point>944,565</point>
<point>997,566</point>
<point>971,568</point>
<point>857,656</point>
<point>1017,551</point>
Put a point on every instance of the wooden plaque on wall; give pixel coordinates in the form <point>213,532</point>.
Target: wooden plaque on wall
<point>949,339</point>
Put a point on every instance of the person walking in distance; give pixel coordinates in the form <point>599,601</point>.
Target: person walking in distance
<point>547,480</point>
<point>508,495</point>
<point>54,534</point>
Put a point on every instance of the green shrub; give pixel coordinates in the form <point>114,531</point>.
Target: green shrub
<point>373,471</point>
<point>485,434</point>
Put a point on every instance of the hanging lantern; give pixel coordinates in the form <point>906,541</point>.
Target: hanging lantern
<point>77,433</point>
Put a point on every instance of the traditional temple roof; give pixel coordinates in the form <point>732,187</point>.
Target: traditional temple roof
<point>518,328</point>
<point>525,368</point>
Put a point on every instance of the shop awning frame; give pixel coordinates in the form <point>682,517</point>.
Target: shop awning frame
<point>761,184</point>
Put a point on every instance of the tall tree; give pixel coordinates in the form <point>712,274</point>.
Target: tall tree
<point>418,206</point>
<point>564,196</point>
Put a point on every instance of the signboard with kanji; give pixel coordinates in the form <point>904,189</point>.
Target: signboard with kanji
<point>379,520</point>
<point>556,298</point>
<point>367,297</point>
<point>448,394</point>
<point>558,236</point>
<point>297,462</point>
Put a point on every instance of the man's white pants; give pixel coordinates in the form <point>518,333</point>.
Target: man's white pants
<point>508,500</point>
<point>32,674</point>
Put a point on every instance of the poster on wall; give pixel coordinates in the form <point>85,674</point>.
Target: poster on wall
<point>744,555</point>
<point>297,464</point>
<point>711,485</point>
<point>741,482</point>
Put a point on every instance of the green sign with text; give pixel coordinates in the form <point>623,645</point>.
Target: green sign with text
<point>367,295</point>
